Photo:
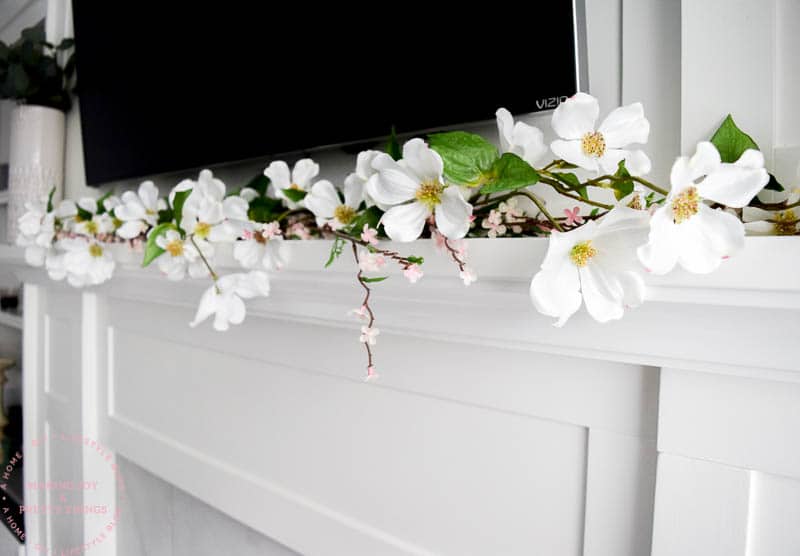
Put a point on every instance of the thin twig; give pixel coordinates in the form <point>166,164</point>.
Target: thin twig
<point>365,304</point>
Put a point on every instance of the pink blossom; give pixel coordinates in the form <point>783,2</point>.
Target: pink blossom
<point>468,275</point>
<point>371,373</point>
<point>369,235</point>
<point>494,223</point>
<point>369,335</point>
<point>371,262</point>
<point>413,273</point>
<point>361,313</point>
<point>298,229</point>
<point>573,216</point>
<point>247,234</point>
<point>438,239</point>
<point>270,230</point>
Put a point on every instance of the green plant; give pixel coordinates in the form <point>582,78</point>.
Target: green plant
<point>30,72</point>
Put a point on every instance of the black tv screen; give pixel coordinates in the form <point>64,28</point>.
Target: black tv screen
<point>168,86</point>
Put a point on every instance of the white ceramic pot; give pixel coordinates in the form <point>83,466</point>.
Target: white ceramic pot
<point>36,158</point>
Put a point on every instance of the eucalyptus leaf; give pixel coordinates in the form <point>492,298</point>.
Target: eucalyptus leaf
<point>731,142</point>
<point>468,158</point>
<point>151,249</point>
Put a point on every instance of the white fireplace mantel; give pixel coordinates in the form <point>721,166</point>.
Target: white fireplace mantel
<point>489,430</point>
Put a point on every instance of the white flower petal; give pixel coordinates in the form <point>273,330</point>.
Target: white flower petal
<point>735,184</point>
<point>452,214</point>
<point>686,171</point>
<point>529,141</point>
<point>576,116</point>
<point>759,228</point>
<point>304,171</point>
<point>602,294</point>
<point>148,193</point>
<point>660,254</point>
<point>392,184</point>
<point>723,231</point>
<point>556,292</point>
<point>207,307</point>
<point>405,222</point>
<point>353,191</point>
<point>323,199</point>
<point>505,128</point>
<point>422,161</point>
<point>636,162</point>
<point>235,208</point>
<point>131,229</point>
<point>279,175</point>
<point>625,125</point>
<point>572,152</point>
<point>88,204</point>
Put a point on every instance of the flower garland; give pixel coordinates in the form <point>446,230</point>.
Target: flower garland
<point>451,186</point>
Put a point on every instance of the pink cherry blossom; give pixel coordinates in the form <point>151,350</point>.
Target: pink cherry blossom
<point>494,223</point>
<point>270,230</point>
<point>468,275</point>
<point>361,313</point>
<point>573,216</point>
<point>298,229</point>
<point>371,262</point>
<point>370,235</point>
<point>371,373</point>
<point>369,335</point>
<point>413,273</point>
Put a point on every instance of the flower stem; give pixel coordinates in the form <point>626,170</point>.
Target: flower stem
<point>214,275</point>
<point>365,304</point>
<point>394,255</point>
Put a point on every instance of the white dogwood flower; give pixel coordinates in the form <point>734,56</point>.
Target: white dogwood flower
<point>181,256</point>
<point>96,223</point>
<point>364,171</point>
<point>208,214</point>
<point>261,247</point>
<point>600,148</point>
<point>225,298</point>
<point>688,232</point>
<point>594,264</point>
<point>85,263</point>
<point>299,178</point>
<point>765,222</point>
<point>329,209</point>
<point>36,232</point>
<point>417,178</point>
<point>138,211</point>
<point>519,138</point>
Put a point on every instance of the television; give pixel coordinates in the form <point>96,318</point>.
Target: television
<point>171,86</point>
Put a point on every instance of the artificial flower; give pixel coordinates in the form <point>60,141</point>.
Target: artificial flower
<point>96,224</point>
<point>362,313</point>
<point>494,223</point>
<point>370,262</point>
<point>208,214</point>
<point>224,298</point>
<point>364,171</point>
<point>596,264</point>
<point>413,273</point>
<point>521,139</point>
<point>369,235</point>
<point>298,178</point>
<point>182,255</point>
<point>467,275</point>
<point>688,232</point>
<point>369,335</point>
<point>764,222</point>
<point>603,147</point>
<point>138,211</point>
<point>86,263</point>
<point>417,178</point>
<point>327,206</point>
<point>574,217</point>
<point>36,232</point>
<point>261,247</point>
<point>298,230</point>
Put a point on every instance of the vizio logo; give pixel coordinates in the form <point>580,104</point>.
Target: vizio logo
<point>550,102</point>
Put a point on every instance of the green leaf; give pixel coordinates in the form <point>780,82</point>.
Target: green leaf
<point>594,212</point>
<point>373,280</point>
<point>294,195</point>
<point>773,184</point>
<point>100,206</point>
<point>19,80</point>
<point>567,178</point>
<point>623,187</point>
<point>583,193</point>
<point>393,146</point>
<point>468,158</point>
<point>151,250</point>
<point>165,216</point>
<point>370,216</point>
<point>415,260</point>
<point>510,172</point>
<point>177,205</point>
<point>265,209</point>
<point>260,183</point>
<point>731,141</point>
<point>336,250</point>
<point>50,200</point>
<point>84,215</point>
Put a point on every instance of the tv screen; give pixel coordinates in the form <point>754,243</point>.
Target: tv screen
<point>165,87</point>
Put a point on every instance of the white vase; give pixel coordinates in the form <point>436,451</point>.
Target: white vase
<point>36,158</point>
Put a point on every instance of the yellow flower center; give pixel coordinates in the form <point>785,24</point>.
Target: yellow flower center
<point>344,214</point>
<point>582,252</point>
<point>593,144</point>
<point>636,203</point>
<point>91,227</point>
<point>117,222</point>
<point>685,205</point>
<point>175,248</point>
<point>430,193</point>
<point>202,230</point>
<point>295,186</point>
<point>95,250</point>
<point>785,223</point>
